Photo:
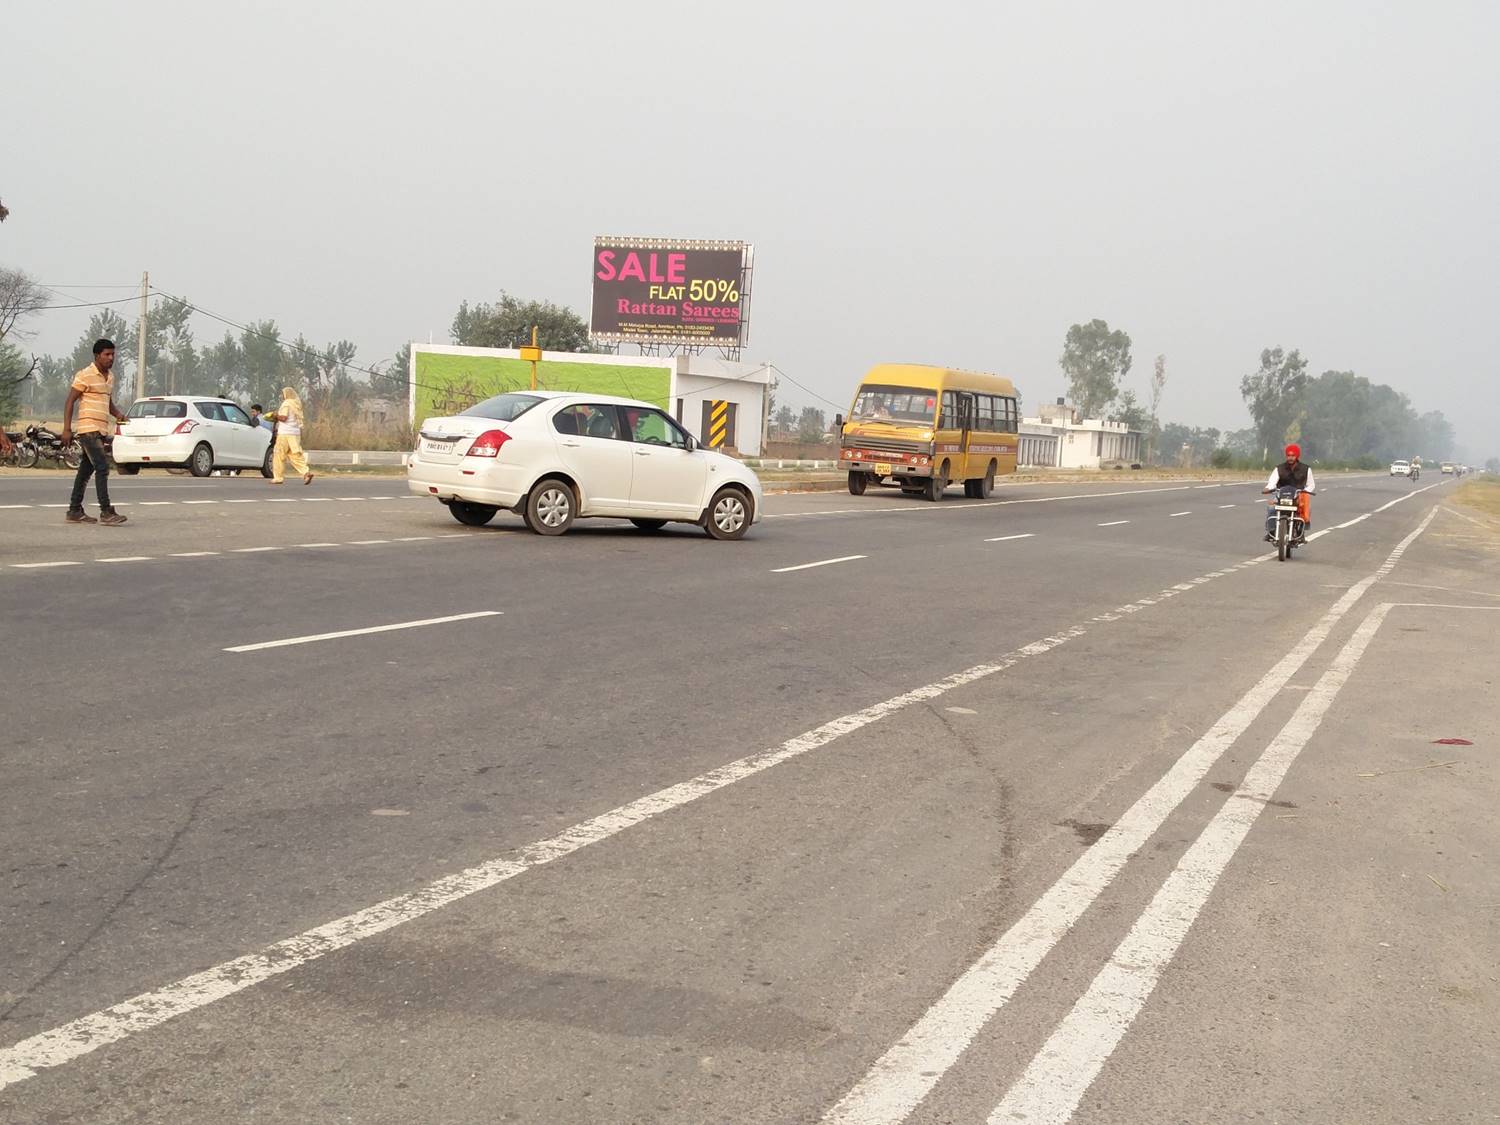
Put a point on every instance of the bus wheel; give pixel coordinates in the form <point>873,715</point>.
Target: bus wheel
<point>937,483</point>
<point>857,483</point>
<point>987,483</point>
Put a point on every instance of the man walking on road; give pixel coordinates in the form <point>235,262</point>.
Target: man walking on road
<point>92,390</point>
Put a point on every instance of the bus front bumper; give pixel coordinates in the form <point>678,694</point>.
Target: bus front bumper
<point>883,468</point>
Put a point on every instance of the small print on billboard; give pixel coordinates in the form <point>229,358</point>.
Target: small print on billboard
<point>661,291</point>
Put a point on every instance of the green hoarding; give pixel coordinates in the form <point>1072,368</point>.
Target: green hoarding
<point>450,384</point>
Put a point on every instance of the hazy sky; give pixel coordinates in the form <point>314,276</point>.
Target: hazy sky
<point>935,182</point>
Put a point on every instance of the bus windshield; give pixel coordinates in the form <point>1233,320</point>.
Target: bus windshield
<point>897,405</point>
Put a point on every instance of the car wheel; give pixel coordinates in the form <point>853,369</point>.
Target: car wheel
<point>550,508</point>
<point>857,483</point>
<point>201,463</point>
<point>472,515</point>
<point>265,463</point>
<point>128,470</point>
<point>729,514</point>
<point>649,525</point>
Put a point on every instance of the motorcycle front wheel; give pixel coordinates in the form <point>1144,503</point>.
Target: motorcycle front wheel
<point>26,456</point>
<point>72,456</point>
<point>1283,539</point>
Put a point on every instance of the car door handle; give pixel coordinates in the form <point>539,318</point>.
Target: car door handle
<point>643,453</point>
<point>572,444</point>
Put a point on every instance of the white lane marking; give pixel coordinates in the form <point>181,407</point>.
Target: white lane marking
<point>158,503</point>
<point>1208,486</point>
<point>383,497</point>
<point>72,1040</point>
<point>281,500</point>
<point>191,554</point>
<point>253,550</point>
<point>350,499</point>
<point>317,499</point>
<point>15,505</point>
<point>42,565</point>
<point>921,507</point>
<point>51,505</point>
<point>413,538</point>
<point>319,544</point>
<point>125,558</point>
<point>1114,523</point>
<point>1008,538</point>
<point>1062,1071</point>
<point>1176,514</point>
<point>825,562</point>
<point>253,500</point>
<point>366,542</point>
<point>200,501</point>
<point>1447,589</point>
<point>364,632</point>
<point>1223,506</point>
<point>1407,496</point>
<point>908,1071</point>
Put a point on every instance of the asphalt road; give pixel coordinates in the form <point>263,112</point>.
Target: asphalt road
<point>1069,805</point>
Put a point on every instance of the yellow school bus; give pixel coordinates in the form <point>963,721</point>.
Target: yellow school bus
<point>925,428</point>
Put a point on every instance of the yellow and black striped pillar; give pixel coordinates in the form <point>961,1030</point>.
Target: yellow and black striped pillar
<point>718,423</point>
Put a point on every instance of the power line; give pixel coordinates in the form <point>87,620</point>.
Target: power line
<point>809,390</point>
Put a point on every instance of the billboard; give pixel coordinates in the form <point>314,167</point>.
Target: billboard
<point>448,380</point>
<point>671,291</point>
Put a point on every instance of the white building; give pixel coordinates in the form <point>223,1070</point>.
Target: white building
<point>1058,438</point>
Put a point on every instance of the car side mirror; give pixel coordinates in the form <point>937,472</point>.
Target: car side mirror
<point>838,421</point>
<point>691,443</point>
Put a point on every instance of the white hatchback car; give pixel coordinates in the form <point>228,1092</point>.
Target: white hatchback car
<point>190,432</point>
<point>555,456</point>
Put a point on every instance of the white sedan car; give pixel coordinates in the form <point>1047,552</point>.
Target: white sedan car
<point>555,456</point>
<point>1400,468</point>
<point>190,432</point>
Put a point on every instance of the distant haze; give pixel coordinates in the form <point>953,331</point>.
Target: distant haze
<point>939,182</point>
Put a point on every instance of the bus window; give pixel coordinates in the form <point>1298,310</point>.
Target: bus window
<point>893,404</point>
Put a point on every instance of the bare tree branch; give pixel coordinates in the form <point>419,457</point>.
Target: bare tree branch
<point>20,297</point>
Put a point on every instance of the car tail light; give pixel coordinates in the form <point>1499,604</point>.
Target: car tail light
<point>186,427</point>
<point>488,444</point>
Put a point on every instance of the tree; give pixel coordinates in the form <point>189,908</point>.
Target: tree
<point>785,422</point>
<point>811,425</point>
<point>1158,384</point>
<point>1187,445</point>
<point>1492,465</point>
<point>20,297</point>
<point>1094,360</point>
<point>395,382</point>
<point>15,369</point>
<point>508,323</point>
<point>1274,395</point>
<point>1131,412</point>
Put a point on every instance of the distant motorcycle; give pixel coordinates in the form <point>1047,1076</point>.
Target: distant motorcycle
<point>1287,533</point>
<point>41,444</point>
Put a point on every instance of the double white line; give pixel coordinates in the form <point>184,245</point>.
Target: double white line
<point>1062,1071</point>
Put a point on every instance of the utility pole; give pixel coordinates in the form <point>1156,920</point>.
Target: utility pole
<point>140,348</point>
<point>765,408</point>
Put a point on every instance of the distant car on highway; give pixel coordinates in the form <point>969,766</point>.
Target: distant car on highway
<point>1400,468</point>
<point>193,432</point>
<point>1447,466</point>
<point>553,457</point>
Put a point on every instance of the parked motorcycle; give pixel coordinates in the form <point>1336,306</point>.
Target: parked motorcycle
<point>1287,534</point>
<point>11,455</point>
<point>43,445</point>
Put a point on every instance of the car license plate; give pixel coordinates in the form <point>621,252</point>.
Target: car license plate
<point>439,447</point>
<point>143,440</point>
<point>882,468</point>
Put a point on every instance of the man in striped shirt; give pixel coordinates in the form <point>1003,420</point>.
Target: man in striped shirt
<point>91,390</point>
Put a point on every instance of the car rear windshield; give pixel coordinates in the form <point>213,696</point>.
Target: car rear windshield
<point>502,408</point>
<point>162,408</point>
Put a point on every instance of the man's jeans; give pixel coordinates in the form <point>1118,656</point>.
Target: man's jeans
<point>95,464</point>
